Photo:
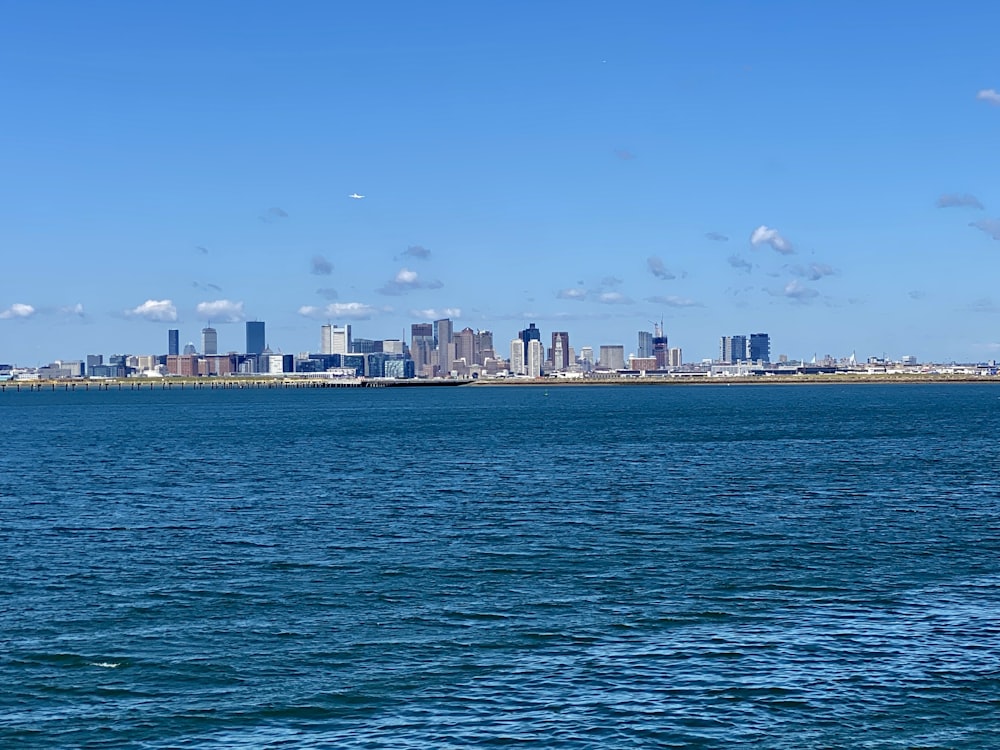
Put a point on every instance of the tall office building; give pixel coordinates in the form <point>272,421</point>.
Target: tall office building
<point>587,358</point>
<point>421,345</point>
<point>255,337</point>
<point>759,347</point>
<point>733,349</point>
<point>486,346</point>
<point>340,340</point>
<point>529,334</point>
<point>645,345</point>
<point>517,357</point>
<point>209,341</point>
<point>676,358</point>
<point>465,346</point>
<point>612,357</point>
<point>444,343</point>
<point>173,342</point>
<point>660,349</point>
<point>533,362</point>
<point>326,339</point>
<point>560,350</point>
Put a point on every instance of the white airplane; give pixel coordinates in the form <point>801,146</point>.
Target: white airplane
<point>355,196</point>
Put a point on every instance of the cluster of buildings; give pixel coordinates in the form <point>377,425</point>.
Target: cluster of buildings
<point>436,350</point>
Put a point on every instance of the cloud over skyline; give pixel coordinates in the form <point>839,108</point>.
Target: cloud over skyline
<point>273,214</point>
<point>407,280</point>
<point>320,266</point>
<point>795,290</point>
<point>740,264</point>
<point>989,226</point>
<point>658,269</point>
<point>812,271</point>
<point>958,200</point>
<point>221,311</point>
<point>764,235</point>
<point>346,310</point>
<point>572,293</point>
<point>988,95</point>
<point>154,310</point>
<point>432,313</point>
<point>673,300</point>
<point>417,251</point>
<point>17,310</point>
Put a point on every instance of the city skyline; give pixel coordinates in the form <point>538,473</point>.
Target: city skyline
<point>821,172</point>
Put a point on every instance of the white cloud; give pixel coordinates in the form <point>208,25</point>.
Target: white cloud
<point>573,293</point>
<point>160,311</point>
<point>672,300</point>
<point>437,314</point>
<point>221,311</point>
<point>764,235</point>
<point>76,309</point>
<point>17,310</point>
<point>613,298</point>
<point>349,310</point>
<point>794,289</point>
<point>988,95</point>
<point>406,281</point>
<point>813,271</point>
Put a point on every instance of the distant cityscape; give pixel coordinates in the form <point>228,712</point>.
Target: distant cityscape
<point>436,350</point>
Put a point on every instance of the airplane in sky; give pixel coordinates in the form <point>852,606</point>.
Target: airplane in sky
<point>355,196</point>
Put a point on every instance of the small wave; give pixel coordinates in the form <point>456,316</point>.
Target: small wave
<point>106,664</point>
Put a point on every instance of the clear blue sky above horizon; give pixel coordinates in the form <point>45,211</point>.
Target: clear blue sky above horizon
<point>824,172</point>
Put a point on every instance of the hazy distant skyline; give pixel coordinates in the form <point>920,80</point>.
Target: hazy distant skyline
<point>823,172</point>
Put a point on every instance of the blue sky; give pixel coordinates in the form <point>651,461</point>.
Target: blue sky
<point>824,172</point>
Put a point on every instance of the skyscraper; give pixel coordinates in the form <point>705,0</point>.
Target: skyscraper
<point>444,341</point>
<point>560,350</point>
<point>533,362</point>
<point>255,337</point>
<point>340,340</point>
<point>209,341</point>
<point>421,345</point>
<point>759,347</point>
<point>517,357</point>
<point>645,344</point>
<point>529,334</point>
<point>660,350</point>
<point>612,357</point>
<point>733,349</point>
<point>465,346</point>
<point>173,342</point>
<point>326,339</point>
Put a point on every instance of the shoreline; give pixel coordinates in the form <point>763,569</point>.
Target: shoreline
<point>225,383</point>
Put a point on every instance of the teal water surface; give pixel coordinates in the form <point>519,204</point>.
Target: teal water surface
<point>582,567</point>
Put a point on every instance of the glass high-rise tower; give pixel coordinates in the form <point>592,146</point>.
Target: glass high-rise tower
<point>255,337</point>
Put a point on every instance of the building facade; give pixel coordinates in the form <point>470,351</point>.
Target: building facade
<point>255,337</point>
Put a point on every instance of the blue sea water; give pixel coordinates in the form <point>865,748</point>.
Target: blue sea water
<point>577,567</point>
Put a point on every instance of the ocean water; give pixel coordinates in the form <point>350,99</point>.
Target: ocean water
<point>577,567</point>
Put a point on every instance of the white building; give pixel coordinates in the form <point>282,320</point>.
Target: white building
<point>517,357</point>
<point>325,339</point>
<point>536,355</point>
<point>340,340</point>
